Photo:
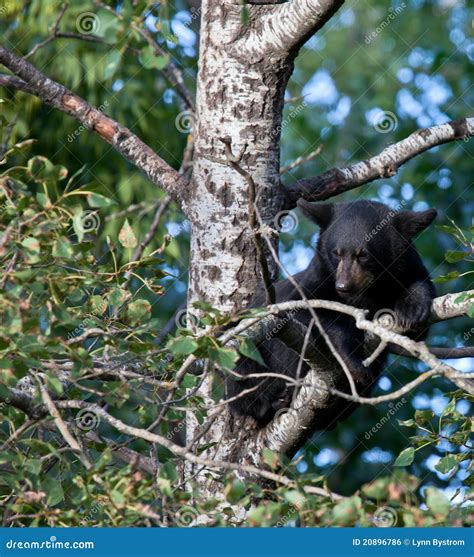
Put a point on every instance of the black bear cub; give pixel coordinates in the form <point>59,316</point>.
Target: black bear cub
<point>364,258</point>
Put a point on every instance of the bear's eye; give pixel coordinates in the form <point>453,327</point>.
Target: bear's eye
<point>337,252</point>
<point>362,254</point>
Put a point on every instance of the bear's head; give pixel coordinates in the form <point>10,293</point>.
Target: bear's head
<point>363,241</point>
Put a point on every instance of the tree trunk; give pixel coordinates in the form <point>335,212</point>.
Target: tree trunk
<point>240,100</point>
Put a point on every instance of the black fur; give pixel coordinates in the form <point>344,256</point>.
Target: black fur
<point>365,258</point>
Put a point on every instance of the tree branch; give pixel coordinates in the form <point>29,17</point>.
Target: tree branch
<point>285,28</point>
<point>385,164</point>
<point>121,138</point>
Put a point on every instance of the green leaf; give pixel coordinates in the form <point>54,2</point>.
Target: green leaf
<point>54,490</point>
<point>455,256</point>
<point>98,305</point>
<point>295,498</point>
<point>97,200</point>
<point>437,501</point>
<point>164,485</point>
<point>405,458</point>
<point>149,59</point>
<point>117,497</point>
<point>446,464</point>
<point>247,348</point>
<point>225,358</point>
<point>234,491</point>
<point>450,408</point>
<point>118,296</point>
<point>377,489</point>
<point>244,15</point>
<point>32,249</point>
<point>168,471</point>
<point>183,345</point>
<point>423,416</point>
<point>111,63</point>
<point>271,458</point>
<point>54,385</point>
<point>450,276</point>
<point>77,224</point>
<point>408,423</point>
<point>43,200</point>
<point>346,513</point>
<point>470,311</point>
<point>41,169</point>
<point>126,236</point>
<point>106,25</point>
<point>139,311</point>
<point>62,248</point>
<point>33,466</point>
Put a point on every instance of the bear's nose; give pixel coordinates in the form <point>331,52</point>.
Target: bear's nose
<point>343,287</point>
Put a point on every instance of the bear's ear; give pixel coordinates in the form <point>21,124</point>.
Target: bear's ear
<point>411,223</point>
<point>321,213</point>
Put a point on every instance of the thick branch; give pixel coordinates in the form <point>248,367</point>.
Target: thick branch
<point>289,430</point>
<point>121,138</point>
<point>386,164</point>
<point>285,28</point>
